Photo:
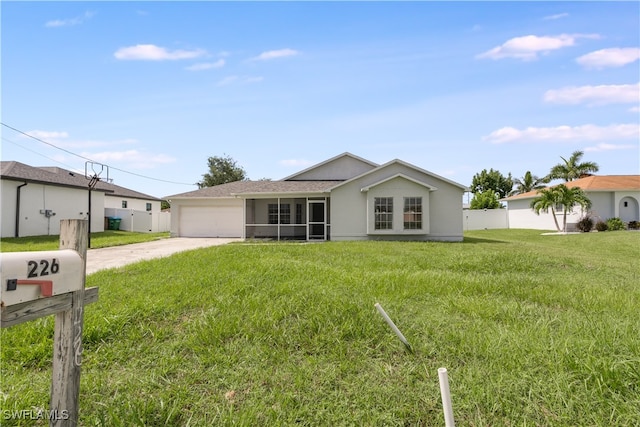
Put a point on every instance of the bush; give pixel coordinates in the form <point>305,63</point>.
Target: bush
<point>585,224</point>
<point>634,225</point>
<point>615,224</point>
<point>601,226</point>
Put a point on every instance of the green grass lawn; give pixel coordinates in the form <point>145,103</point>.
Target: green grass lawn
<point>98,240</point>
<point>534,331</point>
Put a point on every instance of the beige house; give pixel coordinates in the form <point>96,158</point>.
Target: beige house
<point>343,198</point>
<point>612,196</point>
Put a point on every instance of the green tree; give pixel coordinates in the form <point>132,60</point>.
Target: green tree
<point>560,196</point>
<point>528,182</point>
<point>486,200</point>
<point>222,170</point>
<point>572,168</point>
<point>492,180</point>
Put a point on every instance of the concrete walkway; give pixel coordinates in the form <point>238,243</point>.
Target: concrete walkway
<point>117,256</point>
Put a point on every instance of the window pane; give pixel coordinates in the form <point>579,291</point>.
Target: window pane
<point>413,213</point>
<point>273,213</point>
<point>383,213</point>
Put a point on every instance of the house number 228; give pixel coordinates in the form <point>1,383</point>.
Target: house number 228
<point>43,267</point>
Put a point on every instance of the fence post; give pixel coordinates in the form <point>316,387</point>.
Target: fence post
<point>67,340</point>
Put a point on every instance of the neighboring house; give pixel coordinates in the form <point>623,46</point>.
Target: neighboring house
<point>35,199</point>
<point>612,196</point>
<point>343,198</point>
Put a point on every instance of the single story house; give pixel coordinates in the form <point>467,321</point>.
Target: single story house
<point>35,199</point>
<point>343,198</point>
<point>612,196</point>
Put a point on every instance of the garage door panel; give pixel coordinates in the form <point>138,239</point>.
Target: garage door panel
<point>211,221</point>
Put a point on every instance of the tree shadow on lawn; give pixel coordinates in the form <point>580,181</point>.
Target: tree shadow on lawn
<point>479,240</point>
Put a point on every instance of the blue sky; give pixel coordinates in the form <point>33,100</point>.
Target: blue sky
<point>155,88</point>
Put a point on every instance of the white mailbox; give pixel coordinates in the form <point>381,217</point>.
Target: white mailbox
<point>28,276</point>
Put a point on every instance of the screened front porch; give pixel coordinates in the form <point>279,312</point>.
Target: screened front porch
<point>280,218</point>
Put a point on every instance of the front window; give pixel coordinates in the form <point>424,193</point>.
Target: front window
<point>383,210</point>
<point>284,212</point>
<point>148,207</point>
<point>413,213</point>
<point>124,204</point>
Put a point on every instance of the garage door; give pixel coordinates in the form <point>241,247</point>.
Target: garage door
<point>211,221</point>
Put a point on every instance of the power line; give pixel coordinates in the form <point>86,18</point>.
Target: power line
<point>90,160</point>
<point>39,154</point>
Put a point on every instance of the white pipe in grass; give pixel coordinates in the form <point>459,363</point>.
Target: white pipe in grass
<point>393,326</point>
<point>446,397</point>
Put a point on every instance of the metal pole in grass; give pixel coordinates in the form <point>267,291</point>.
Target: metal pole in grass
<point>393,327</point>
<point>446,397</point>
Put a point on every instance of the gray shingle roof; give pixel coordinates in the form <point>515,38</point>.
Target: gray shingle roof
<point>61,177</point>
<point>248,188</point>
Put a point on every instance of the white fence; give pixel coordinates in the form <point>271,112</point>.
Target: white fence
<point>481,219</point>
<point>140,221</point>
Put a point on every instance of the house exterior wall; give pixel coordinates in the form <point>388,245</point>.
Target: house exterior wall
<point>65,202</point>
<point>115,202</point>
<point>522,216</point>
<point>444,214</point>
<point>630,212</point>
<point>604,205</point>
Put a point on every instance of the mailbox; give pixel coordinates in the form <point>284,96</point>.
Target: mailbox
<point>28,276</point>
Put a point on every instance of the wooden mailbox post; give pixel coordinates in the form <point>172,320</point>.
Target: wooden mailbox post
<point>38,284</point>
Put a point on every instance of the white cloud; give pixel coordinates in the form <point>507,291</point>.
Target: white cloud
<point>564,133</point>
<point>634,110</point>
<point>47,136</point>
<point>150,52</point>
<point>527,48</point>
<point>612,57</point>
<point>298,163</point>
<point>131,158</point>
<point>69,22</point>
<point>610,147</point>
<point>595,95</point>
<point>556,16</point>
<point>273,54</point>
<point>239,80</point>
<point>206,65</point>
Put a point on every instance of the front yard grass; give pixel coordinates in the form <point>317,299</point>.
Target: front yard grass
<point>98,240</point>
<point>534,330</point>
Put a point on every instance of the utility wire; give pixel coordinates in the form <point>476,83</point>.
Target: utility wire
<point>72,168</point>
<point>89,160</point>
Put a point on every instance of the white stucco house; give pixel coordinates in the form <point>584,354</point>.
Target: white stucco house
<point>343,198</point>
<point>612,196</point>
<point>35,199</point>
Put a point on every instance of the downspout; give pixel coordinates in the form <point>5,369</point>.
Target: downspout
<point>17,230</point>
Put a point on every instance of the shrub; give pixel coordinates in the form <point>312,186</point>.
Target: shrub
<point>634,225</point>
<point>585,224</point>
<point>601,226</point>
<point>615,224</point>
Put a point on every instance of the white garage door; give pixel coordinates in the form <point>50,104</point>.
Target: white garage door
<point>211,221</point>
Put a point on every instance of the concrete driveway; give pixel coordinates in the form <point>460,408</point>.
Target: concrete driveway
<point>117,256</point>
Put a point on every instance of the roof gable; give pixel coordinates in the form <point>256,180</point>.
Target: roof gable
<point>339,168</point>
<point>407,165</point>
<point>401,176</point>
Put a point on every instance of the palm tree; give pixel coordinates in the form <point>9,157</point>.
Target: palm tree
<point>547,199</point>
<point>572,168</point>
<point>528,183</point>
<point>563,196</point>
